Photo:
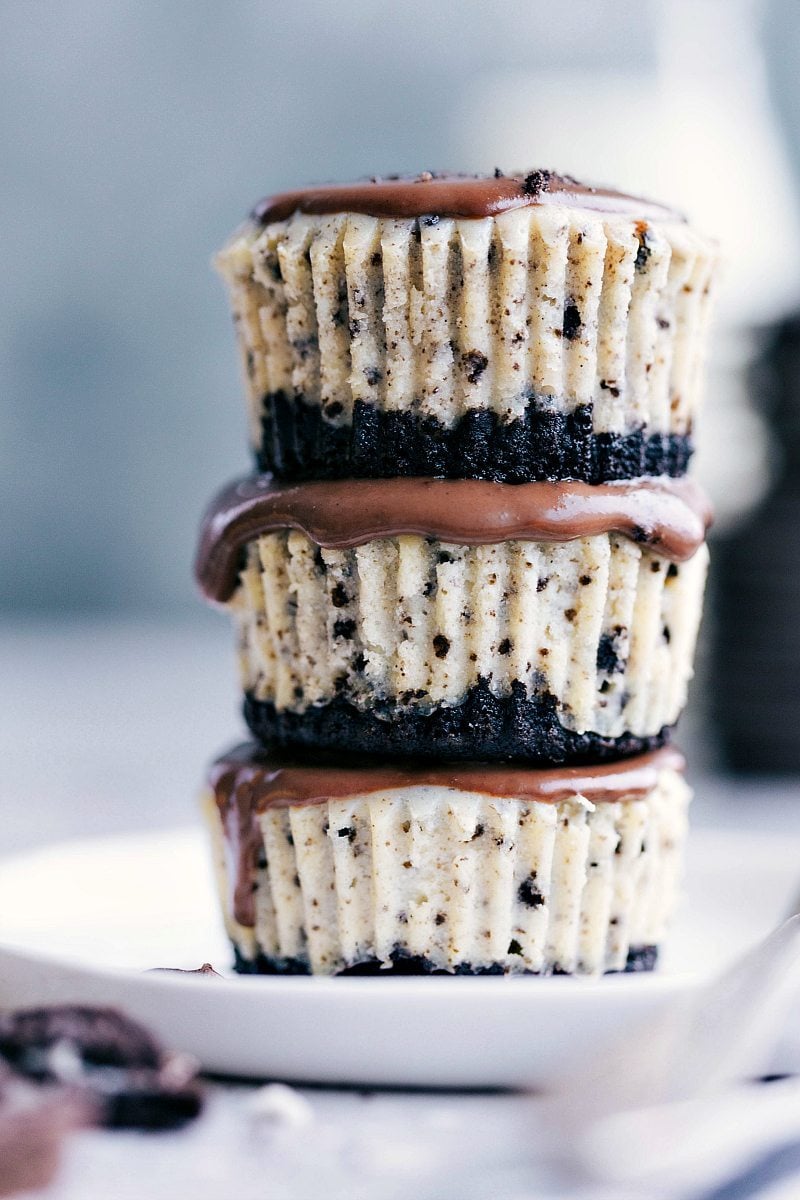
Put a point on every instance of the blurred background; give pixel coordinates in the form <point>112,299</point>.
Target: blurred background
<point>134,135</point>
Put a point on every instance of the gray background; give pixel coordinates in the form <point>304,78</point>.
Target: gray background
<point>135,134</point>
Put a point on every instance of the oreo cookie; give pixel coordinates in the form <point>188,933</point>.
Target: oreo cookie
<point>117,1064</point>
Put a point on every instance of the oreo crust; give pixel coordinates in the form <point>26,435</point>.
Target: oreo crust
<point>485,726</point>
<point>298,443</point>
<point>640,958</point>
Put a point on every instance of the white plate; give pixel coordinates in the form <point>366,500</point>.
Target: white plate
<point>81,921</point>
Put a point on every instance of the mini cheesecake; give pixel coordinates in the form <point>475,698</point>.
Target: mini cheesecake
<point>340,867</point>
<point>461,619</point>
<point>512,327</point>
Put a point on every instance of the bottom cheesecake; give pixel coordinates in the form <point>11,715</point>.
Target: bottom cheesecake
<point>463,868</point>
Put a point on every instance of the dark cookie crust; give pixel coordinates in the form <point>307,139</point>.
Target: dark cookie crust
<point>485,726</point>
<point>299,443</point>
<point>640,958</point>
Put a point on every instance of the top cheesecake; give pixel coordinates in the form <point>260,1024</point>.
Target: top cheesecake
<point>513,327</point>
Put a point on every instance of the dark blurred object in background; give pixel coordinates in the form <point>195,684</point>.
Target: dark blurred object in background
<point>755,698</point>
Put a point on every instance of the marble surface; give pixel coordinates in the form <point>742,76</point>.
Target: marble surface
<point>106,726</point>
<point>351,1146</point>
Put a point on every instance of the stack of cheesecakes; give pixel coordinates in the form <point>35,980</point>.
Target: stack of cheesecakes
<point>466,576</point>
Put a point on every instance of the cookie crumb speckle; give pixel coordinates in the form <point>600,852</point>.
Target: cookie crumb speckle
<point>441,645</point>
<point>572,321</point>
<point>536,182</point>
<point>474,363</point>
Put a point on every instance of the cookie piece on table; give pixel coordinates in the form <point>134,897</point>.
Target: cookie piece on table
<point>112,1060</point>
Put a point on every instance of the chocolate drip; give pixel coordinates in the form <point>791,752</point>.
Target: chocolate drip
<point>669,515</point>
<point>248,781</point>
<point>452,195</point>
<point>262,780</point>
<point>243,843</point>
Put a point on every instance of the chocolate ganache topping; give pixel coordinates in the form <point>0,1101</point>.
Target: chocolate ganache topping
<point>453,195</point>
<point>248,780</point>
<point>669,515</point>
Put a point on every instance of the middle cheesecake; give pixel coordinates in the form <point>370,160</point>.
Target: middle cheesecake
<point>549,622</point>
